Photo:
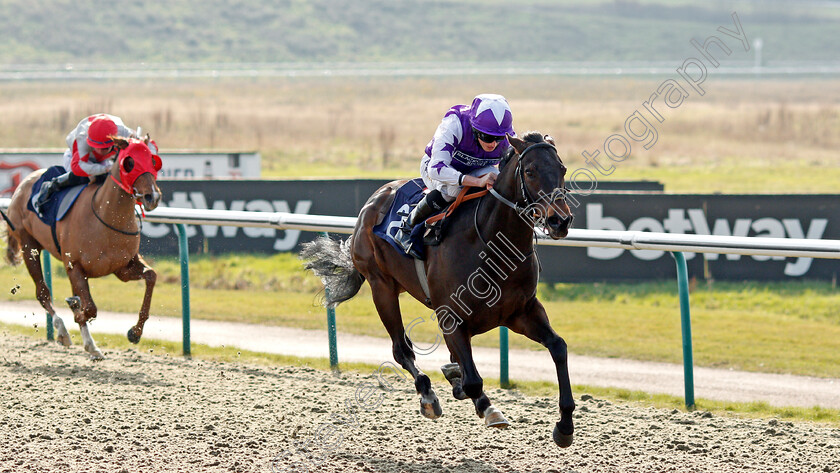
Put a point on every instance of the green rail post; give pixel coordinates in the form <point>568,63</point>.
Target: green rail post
<point>184,252</point>
<point>685,317</point>
<point>504,380</point>
<point>331,331</point>
<point>47,265</point>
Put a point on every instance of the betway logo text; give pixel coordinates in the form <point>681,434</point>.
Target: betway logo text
<point>197,200</point>
<point>695,221</point>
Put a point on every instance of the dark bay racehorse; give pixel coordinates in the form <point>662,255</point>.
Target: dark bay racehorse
<point>482,276</point>
<point>98,236</point>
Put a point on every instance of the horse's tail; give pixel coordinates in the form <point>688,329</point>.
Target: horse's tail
<point>12,243</point>
<point>331,261</point>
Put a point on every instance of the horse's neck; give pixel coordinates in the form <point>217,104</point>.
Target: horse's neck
<point>113,204</point>
<point>506,220</point>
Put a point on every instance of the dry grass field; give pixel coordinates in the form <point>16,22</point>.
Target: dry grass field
<point>741,136</point>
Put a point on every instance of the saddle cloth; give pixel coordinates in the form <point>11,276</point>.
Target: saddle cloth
<point>56,208</point>
<point>405,199</point>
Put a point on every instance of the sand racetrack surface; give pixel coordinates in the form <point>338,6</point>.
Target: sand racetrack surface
<point>141,412</point>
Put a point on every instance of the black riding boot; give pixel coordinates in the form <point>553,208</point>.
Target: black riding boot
<point>433,202</point>
<point>49,188</point>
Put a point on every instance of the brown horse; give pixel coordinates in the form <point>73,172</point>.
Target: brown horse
<point>98,236</point>
<point>483,274</point>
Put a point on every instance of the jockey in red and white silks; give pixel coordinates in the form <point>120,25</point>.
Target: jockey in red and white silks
<point>90,153</point>
<point>92,133</point>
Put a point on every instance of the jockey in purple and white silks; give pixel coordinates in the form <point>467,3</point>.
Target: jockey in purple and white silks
<point>465,151</point>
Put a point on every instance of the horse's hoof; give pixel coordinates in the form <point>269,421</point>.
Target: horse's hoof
<point>451,371</point>
<point>562,440</point>
<point>98,356</point>
<point>75,302</point>
<point>431,410</point>
<point>458,391</point>
<point>64,340</point>
<point>494,418</point>
<point>132,336</point>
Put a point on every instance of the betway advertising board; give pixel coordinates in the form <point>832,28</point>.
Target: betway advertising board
<point>782,216</point>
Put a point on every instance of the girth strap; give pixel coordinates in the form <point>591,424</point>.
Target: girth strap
<point>424,281</point>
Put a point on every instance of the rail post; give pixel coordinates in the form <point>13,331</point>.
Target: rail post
<point>504,380</point>
<point>47,265</point>
<point>184,253</point>
<point>331,330</point>
<point>685,321</point>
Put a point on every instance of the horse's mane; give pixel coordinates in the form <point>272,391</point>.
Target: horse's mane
<point>530,137</point>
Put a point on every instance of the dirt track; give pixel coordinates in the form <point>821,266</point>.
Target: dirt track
<point>137,412</point>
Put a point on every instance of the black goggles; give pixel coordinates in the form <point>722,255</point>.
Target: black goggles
<point>487,138</point>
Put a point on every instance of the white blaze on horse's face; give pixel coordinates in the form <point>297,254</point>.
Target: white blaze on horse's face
<point>150,201</point>
<point>149,194</point>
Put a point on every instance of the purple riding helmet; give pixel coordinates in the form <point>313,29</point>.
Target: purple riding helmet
<point>490,114</point>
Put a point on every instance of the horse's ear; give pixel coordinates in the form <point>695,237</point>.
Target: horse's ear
<point>549,139</point>
<point>120,143</point>
<point>517,144</point>
<point>147,139</point>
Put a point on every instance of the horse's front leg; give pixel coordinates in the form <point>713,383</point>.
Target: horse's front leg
<point>386,300</point>
<point>83,307</point>
<point>32,260</point>
<point>533,323</point>
<point>134,270</point>
<point>472,385</point>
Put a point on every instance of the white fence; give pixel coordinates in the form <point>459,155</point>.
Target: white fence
<point>632,240</point>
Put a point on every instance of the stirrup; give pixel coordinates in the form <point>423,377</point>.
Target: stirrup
<point>403,239</point>
<point>38,204</point>
<point>43,196</point>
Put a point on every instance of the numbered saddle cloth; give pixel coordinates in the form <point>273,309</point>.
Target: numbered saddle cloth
<point>406,198</point>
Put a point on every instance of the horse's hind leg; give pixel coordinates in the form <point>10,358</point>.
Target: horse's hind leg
<point>84,310</point>
<point>472,385</point>
<point>452,373</point>
<point>386,299</point>
<point>32,260</point>
<point>134,270</point>
<point>533,323</point>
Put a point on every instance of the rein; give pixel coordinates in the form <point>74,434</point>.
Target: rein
<point>462,197</point>
<point>93,209</point>
<point>526,195</point>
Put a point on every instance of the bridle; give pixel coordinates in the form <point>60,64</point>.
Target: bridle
<point>103,222</point>
<point>526,194</point>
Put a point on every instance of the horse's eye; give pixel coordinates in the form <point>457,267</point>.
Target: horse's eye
<point>530,173</point>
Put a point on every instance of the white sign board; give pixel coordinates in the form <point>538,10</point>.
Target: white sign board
<point>15,165</point>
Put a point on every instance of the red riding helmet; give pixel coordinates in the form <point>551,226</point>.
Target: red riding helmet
<point>99,131</point>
